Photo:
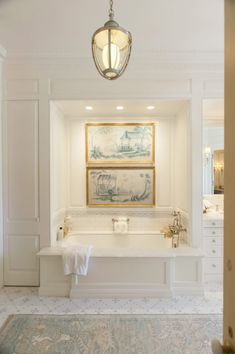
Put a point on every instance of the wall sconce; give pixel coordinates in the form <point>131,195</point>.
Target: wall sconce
<point>207,154</point>
<point>219,166</point>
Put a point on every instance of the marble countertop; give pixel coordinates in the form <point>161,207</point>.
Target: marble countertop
<point>213,215</point>
<point>182,251</point>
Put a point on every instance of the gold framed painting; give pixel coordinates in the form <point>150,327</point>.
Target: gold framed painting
<point>120,186</point>
<point>120,143</point>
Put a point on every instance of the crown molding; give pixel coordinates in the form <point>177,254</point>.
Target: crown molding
<point>149,66</point>
<point>215,57</point>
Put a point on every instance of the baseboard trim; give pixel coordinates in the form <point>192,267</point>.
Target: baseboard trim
<point>127,292</point>
<point>55,291</point>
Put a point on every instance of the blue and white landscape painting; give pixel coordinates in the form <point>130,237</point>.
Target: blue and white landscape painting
<point>120,187</point>
<point>133,143</point>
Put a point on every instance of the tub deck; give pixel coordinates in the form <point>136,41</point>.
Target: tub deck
<point>132,265</point>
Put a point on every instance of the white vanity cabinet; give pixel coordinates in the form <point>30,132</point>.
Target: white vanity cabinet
<point>213,232</point>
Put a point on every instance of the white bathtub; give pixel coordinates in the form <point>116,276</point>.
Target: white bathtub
<point>126,245</point>
<point>132,265</point>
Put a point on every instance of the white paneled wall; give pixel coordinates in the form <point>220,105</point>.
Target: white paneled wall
<point>181,160</point>
<point>31,83</point>
<point>77,164</point>
<point>22,161</point>
<point>21,174</point>
<point>163,153</point>
<point>59,169</point>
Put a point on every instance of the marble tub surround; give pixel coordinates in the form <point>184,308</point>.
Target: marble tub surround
<point>128,245</point>
<point>132,265</point>
<point>214,215</point>
<point>106,221</point>
<point>92,220</point>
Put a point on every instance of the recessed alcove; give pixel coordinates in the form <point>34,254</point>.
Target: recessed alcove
<point>68,163</point>
<point>118,258</point>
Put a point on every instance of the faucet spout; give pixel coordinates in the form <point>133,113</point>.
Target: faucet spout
<point>173,230</point>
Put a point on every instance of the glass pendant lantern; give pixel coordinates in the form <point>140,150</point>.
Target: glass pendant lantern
<point>111,48</point>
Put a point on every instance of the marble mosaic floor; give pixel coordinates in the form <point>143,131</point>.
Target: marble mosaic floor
<point>18,300</point>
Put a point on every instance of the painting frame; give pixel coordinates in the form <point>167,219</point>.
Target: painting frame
<point>149,162</point>
<point>120,205</point>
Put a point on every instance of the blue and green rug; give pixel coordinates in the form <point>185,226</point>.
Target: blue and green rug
<point>109,334</point>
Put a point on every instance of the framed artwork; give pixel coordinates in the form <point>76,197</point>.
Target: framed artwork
<point>120,186</point>
<point>120,143</point>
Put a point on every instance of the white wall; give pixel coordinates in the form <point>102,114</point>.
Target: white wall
<point>21,192</point>
<point>59,169</point>
<point>181,160</point>
<point>213,136</point>
<point>37,81</point>
<point>77,163</point>
<point>68,155</point>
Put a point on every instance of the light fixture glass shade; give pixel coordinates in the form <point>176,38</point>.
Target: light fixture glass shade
<point>111,49</point>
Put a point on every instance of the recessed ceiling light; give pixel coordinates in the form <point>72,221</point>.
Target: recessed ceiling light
<point>120,108</point>
<point>89,108</point>
<point>150,108</point>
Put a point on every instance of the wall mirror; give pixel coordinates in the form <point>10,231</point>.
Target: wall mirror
<point>218,170</point>
<point>213,146</point>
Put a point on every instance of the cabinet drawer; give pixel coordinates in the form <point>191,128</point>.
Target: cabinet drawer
<point>214,251</point>
<point>211,242</point>
<point>213,265</point>
<point>213,231</point>
<point>213,223</point>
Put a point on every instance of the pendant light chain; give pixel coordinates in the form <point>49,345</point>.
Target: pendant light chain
<point>111,12</point>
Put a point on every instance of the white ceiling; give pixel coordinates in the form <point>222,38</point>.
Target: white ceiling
<point>107,109</point>
<point>65,27</point>
<point>213,109</point>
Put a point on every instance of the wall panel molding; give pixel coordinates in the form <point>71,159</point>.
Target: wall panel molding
<point>134,212</point>
<point>21,160</point>
<point>22,88</point>
<point>21,264</point>
<point>41,78</point>
<point>85,89</point>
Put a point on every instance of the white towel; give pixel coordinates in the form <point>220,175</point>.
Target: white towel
<point>76,259</point>
<point>121,227</point>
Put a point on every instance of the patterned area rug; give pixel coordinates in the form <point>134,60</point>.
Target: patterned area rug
<point>109,334</point>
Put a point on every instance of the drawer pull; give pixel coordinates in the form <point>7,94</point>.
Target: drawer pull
<point>214,265</point>
<point>213,223</point>
<point>213,240</point>
<point>214,251</point>
<point>213,232</point>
